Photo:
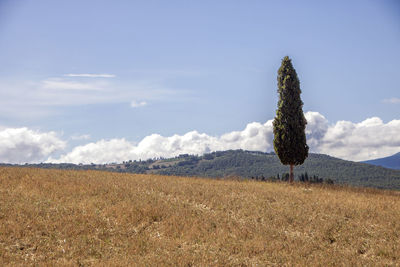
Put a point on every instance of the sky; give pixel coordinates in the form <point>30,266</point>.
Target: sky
<point>108,81</point>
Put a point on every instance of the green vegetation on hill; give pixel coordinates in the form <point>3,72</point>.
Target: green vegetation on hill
<point>249,164</point>
<point>252,164</point>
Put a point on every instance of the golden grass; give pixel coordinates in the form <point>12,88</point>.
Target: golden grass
<point>54,217</point>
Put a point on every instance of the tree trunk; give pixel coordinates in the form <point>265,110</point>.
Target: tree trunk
<point>291,176</point>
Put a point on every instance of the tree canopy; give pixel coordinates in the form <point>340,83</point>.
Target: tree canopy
<point>289,124</point>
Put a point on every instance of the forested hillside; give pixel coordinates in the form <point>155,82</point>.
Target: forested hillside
<point>256,164</point>
<point>248,164</point>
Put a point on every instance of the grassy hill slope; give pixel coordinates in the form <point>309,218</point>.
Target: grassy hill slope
<point>51,217</point>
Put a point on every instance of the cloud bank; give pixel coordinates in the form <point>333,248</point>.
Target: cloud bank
<point>254,137</point>
<point>371,138</point>
<point>21,145</point>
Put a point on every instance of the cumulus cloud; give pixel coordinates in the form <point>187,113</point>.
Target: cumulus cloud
<point>137,104</point>
<point>91,75</point>
<point>317,126</point>
<point>114,150</point>
<point>393,100</point>
<point>371,138</point>
<point>20,145</point>
<point>255,136</point>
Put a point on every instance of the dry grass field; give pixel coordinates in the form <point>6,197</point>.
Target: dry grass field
<point>89,218</point>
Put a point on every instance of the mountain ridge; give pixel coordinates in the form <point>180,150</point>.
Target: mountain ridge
<point>391,162</point>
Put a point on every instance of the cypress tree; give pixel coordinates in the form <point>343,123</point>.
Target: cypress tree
<point>289,124</point>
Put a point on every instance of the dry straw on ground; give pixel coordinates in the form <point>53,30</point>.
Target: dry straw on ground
<point>53,217</point>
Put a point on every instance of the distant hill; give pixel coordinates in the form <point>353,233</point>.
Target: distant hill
<point>249,164</point>
<point>392,162</point>
<point>252,164</point>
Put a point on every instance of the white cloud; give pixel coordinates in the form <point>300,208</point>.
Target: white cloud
<point>371,138</point>
<point>80,137</point>
<point>137,104</point>
<point>114,150</point>
<point>317,126</point>
<point>20,145</point>
<point>393,100</point>
<point>35,99</point>
<point>60,84</point>
<point>91,75</point>
<point>255,136</point>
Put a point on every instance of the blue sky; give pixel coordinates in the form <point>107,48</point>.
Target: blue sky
<point>90,71</point>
